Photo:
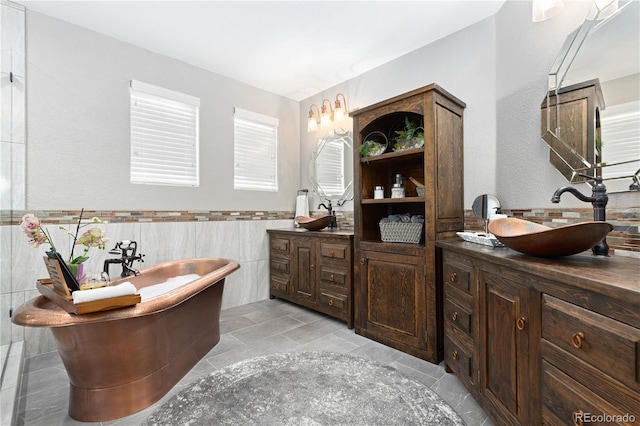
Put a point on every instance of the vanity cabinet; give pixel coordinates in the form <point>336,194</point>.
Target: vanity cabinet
<point>543,341</point>
<point>398,296</point>
<point>313,269</point>
<point>574,117</point>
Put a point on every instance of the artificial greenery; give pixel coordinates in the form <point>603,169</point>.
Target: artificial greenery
<point>412,136</point>
<point>370,147</point>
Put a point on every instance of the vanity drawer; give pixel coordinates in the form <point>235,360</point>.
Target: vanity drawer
<point>335,301</point>
<point>459,361</point>
<point>457,276</point>
<point>280,246</point>
<point>333,276</point>
<point>458,316</point>
<point>333,251</point>
<point>280,284</point>
<point>280,265</point>
<point>606,344</point>
<point>565,401</point>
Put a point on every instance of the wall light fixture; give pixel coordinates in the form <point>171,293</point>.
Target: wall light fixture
<point>326,114</point>
<point>541,10</point>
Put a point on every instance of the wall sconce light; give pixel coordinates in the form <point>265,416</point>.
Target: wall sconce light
<point>326,114</point>
<point>326,117</point>
<point>338,112</point>
<point>312,121</point>
<point>542,10</point>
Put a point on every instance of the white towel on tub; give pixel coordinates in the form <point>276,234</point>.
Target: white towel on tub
<point>122,289</point>
<point>155,290</point>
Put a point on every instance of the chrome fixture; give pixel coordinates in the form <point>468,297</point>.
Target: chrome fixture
<point>127,251</point>
<point>598,199</point>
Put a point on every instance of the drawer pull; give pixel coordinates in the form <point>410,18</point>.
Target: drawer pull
<point>577,339</point>
<point>331,254</point>
<point>312,267</point>
<point>331,277</point>
<point>521,323</point>
<point>454,354</point>
<point>454,316</point>
<point>330,302</point>
<point>453,278</point>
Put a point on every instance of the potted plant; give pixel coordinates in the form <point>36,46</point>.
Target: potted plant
<point>412,136</point>
<point>374,144</point>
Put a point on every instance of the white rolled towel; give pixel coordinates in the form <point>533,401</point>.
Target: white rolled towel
<point>123,289</point>
<point>302,206</point>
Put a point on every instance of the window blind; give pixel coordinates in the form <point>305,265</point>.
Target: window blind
<point>255,151</point>
<point>620,134</point>
<point>164,136</point>
<point>330,171</point>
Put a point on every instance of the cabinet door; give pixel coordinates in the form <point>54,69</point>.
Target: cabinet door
<point>305,273</point>
<point>395,294</point>
<point>503,347</point>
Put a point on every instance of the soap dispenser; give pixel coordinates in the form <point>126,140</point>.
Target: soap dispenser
<point>398,187</point>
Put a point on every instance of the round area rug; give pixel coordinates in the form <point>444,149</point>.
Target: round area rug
<point>305,388</point>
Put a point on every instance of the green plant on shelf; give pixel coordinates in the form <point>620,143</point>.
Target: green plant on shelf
<point>412,136</point>
<point>371,148</point>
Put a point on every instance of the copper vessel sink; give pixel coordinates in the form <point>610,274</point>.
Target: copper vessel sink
<point>543,241</point>
<point>314,223</point>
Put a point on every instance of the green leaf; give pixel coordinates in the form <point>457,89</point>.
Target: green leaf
<point>78,260</point>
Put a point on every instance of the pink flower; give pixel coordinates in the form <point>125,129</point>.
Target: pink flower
<point>94,237</point>
<point>30,225</point>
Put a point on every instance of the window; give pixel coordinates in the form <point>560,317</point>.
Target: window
<point>164,136</point>
<point>620,134</point>
<point>255,151</point>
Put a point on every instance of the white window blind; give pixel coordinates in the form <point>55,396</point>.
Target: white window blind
<point>620,135</point>
<point>255,151</point>
<point>330,171</point>
<point>164,136</point>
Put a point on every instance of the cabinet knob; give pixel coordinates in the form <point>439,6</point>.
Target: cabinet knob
<point>577,339</point>
<point>331,277</point>
<point>362,261</point>
<point>312,267</point>
<point>454,316</point>
<point>454,277</point>
<point>330,302</point>
<point>454,354</point>
<point>521,323</point>
<point>331,254</point>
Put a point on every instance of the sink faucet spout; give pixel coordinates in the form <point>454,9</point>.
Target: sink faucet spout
<point>598,200</point>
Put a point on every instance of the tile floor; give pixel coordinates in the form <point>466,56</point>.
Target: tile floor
<point>251,330</point>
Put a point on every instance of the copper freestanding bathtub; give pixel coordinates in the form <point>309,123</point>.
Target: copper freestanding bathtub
<point>123,360</point>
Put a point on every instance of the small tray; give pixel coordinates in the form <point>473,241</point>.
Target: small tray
<point>485,239</point>
<point>46,288</point>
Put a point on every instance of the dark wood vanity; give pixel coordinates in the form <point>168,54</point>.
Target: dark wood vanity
<point>313,269</point>
<point>543,341</point>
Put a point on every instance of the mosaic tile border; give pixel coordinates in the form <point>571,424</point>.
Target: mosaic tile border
<point>625,236</point>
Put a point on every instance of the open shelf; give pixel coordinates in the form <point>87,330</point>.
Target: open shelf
<point>392,200</point>
<point>415,153</point>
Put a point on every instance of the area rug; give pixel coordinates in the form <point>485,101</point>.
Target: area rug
<point>305,388</point>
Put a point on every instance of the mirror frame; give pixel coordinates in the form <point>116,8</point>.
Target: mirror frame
<point>332,136</point>
<point>572,163</point>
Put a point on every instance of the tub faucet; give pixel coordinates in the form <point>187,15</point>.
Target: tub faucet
<point>127,251</point>
<point>331,212</point>
<point>598,200</point>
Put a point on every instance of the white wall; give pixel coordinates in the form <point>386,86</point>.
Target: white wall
<point>499,68</point>
<point>78,126</point>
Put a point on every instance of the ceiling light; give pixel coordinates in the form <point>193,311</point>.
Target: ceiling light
<point>544,9</point>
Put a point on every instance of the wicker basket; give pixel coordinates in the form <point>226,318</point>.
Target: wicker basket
<point>400,232</point>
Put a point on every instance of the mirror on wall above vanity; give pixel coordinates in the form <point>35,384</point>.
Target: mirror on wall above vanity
<point>591,114</point>
<point>331,167</point>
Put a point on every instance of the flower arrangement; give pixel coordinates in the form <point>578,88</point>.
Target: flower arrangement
<point>38,235</point>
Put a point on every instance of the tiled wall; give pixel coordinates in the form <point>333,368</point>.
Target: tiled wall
<point>240,236</point>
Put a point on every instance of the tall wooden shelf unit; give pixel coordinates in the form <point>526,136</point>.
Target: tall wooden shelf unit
<point>398,293</point>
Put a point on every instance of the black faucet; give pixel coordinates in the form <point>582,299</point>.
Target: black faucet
<point>598,200</point>
<point>329,207</point>
<point>127,251</point>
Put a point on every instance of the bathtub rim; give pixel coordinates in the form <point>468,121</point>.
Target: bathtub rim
<point>41,312</point>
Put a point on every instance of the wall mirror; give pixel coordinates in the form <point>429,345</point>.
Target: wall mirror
<point>331,167</point>
<point>591,114</point>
